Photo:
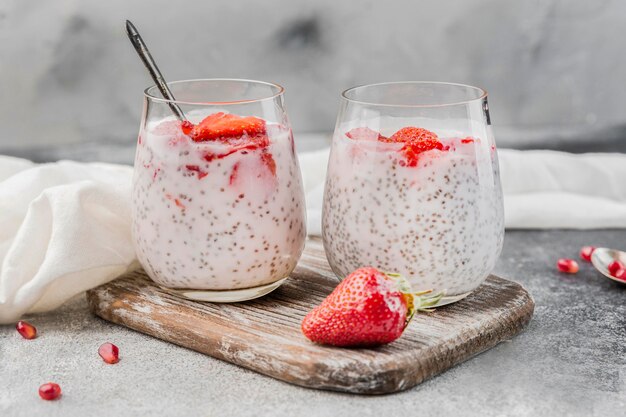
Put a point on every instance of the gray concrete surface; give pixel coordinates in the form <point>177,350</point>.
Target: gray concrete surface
<point>571,361</point>
<point>554,68</point>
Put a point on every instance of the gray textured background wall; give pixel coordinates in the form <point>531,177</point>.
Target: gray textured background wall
<point>555,69</point>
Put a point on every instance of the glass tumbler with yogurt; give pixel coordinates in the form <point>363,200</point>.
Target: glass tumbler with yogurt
<point>217,203</point>
<point>413,186</point>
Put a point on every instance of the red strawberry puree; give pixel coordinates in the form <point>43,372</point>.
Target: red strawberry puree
<point>427,207</point>
<point>218,205</point>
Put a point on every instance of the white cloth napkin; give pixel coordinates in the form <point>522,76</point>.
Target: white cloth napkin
<point>65,227</point>
<point>549,189</point>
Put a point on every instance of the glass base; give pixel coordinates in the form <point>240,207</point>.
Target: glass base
<point>225,296</point>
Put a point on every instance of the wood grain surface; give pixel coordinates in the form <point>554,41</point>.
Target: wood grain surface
<point>264,334</point>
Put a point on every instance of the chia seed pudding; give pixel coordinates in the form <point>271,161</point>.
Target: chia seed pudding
<point>219,214</point>
<point>432,213</point>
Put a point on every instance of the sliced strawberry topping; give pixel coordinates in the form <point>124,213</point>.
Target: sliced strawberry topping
<point>221,126</point>
<point>365,133</point>
<point>239,144</point>
<point>412,150</point>
<point>414,134</point>
<point>416,140</point>
<point>238,134</point>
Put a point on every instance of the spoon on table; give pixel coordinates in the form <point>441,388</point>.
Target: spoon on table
<point>602,257</point>
<point>151,66</point>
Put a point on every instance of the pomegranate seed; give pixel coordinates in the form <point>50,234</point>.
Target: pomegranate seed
<point>567,265</point>
<point>621,274</point>
<point>27,330</point>
<point>586,252</point>
<point>49,391</point>
<point>109,353</point>
<point>615,266</point>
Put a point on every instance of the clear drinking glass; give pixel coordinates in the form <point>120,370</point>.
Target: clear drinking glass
<point>413,186</point>
<point>218,209</point>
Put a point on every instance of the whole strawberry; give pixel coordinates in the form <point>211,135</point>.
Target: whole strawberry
<point>367,308</point>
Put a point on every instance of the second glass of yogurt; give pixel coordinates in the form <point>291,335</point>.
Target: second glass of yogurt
<point>413,186</point>
<point>218,205</point>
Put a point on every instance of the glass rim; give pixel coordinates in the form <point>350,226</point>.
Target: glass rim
<point>481,96</point>
<point>278,93</point>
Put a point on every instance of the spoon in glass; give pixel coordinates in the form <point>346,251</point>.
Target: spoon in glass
<point>602,257</point>
<point>151,66</point>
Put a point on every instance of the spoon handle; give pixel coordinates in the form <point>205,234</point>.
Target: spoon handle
<point>148,61</point>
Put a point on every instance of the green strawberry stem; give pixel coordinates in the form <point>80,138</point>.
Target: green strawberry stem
<point>416,302</point>
<point>422,304</point>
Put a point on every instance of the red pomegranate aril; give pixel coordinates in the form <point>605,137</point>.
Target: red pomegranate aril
<point>50,391</point>
<point>586,252</point>
<point>615,266</point>
<point>109,353</point>
<point>569,266</point>
<point>620,274</point>
<point>27,330</point>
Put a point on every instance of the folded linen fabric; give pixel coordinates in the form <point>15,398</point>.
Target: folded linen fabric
<point>65,227</point>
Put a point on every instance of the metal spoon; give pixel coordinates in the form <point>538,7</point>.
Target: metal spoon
<point>602,257</point>
<point>148,61</point>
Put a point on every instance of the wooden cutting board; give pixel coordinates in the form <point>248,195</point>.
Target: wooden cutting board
<point>264,334</point>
